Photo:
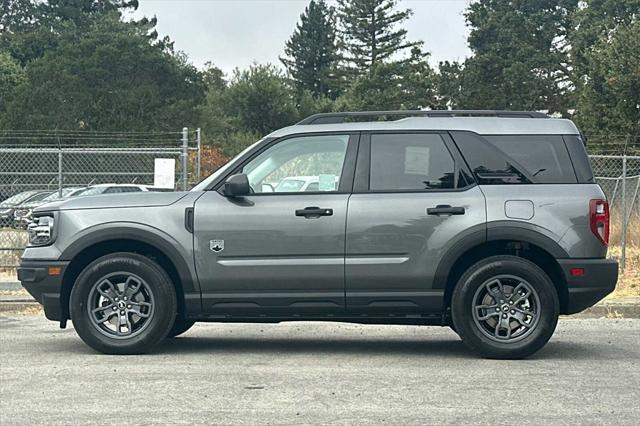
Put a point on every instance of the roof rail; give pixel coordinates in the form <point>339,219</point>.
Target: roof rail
<point>340,117</point>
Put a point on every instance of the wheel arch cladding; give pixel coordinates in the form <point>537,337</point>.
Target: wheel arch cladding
<point>132,240</point>
<point>456,262</point>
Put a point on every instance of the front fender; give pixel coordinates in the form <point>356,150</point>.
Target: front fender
<point>179,252</point>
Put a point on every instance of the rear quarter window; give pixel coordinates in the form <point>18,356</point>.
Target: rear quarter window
<point>545,157</point>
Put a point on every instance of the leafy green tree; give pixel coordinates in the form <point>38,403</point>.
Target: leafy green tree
<point>30,28</point>
<point>262,98</point>
<point>312,52</point>
<point>447,81</point>
<point>592,21</point>
<point>109,78</point>
<point>371,36</point>
<point>610,100</point>
<point>521,55</point>
<point>11,76</point>
<point>395,85</point>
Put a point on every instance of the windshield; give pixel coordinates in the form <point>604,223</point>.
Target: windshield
<point>17,199</point>
<point>206,182</point>
<point>94,190</point>
<point>56,195</point>
<point>39,197</point>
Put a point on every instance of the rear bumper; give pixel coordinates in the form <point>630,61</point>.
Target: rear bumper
<point>45,288</point>
<point>599,279</point>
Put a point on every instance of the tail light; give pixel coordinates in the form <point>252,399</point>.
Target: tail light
<point>599,218</point>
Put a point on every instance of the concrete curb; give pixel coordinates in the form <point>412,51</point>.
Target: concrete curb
<point>628,307</point>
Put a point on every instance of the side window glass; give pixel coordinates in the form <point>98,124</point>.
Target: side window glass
<point>544,156</point>
<point>297,164</point>
<point>489,164</point>
<point>410,162</point>
<point>112,190</point>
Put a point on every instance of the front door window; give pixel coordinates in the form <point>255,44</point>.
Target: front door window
<point>300,164</point>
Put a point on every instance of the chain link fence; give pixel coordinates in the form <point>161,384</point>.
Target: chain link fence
<point>619,177</point>
<point>39,166</point>
<point>48,162</point>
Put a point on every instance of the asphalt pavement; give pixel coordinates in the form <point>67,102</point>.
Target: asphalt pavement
<point>319,373</point>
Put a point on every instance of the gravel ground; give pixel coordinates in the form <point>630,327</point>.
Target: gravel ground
<point>319,373</point>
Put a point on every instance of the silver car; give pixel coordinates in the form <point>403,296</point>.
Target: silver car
<point>489,222</point>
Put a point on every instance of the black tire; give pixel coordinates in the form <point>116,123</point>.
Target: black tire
<point>180,326</point>
<point>161,311</point>
<point>473,328</point>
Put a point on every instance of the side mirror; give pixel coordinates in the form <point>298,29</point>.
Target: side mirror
<point>267,187</point>
<point>237,186</point>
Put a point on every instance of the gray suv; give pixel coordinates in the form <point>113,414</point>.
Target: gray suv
<point>489,222</point>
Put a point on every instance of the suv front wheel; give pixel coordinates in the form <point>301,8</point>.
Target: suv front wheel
<point>505,307</point>
<point>123,303</point>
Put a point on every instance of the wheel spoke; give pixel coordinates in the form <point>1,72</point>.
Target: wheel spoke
<point>521,321</point>
<point>103,313</point>
<point>123,321</point>
<point>526,313</point>
<point>141,309</point>
<point>521,292</point>
<point>496,290</point>
<point>503,324</point>
<point>490,312</point>
<point>110,293</point>
<point>131,287</point>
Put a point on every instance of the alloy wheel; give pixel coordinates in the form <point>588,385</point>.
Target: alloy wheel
<point>506,308</point>
<point>121,305</point>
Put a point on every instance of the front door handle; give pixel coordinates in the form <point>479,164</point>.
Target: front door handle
<point>314,212</point>
<point>445,209</point>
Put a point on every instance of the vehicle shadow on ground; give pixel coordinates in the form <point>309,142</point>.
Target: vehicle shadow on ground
<point>427,348</point>
<point>439,347</point>
<point>240,345</point>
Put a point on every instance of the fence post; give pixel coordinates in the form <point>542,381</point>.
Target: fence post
<point>60,172</point>
<point>199,141</point>
<point>184,156</point>
<point>623,261</point>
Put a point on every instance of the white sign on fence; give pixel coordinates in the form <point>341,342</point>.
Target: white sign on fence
<point>164,173</point>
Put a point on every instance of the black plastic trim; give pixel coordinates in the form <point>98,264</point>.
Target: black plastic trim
<point>45,288</point>
<point>600,277</point>
<point>517,231</point>
<point>110,231</point>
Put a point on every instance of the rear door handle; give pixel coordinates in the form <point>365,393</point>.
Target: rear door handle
<point>445,209</point>
<point>314,212</point>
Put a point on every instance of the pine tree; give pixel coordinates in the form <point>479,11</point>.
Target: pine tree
<point>370,34</point>
<point>312,53</point>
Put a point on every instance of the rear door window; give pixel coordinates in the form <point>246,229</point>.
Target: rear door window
<point>545,157</point>
<point>410,162</point>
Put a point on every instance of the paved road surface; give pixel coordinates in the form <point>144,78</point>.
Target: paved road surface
<point>319,373</point>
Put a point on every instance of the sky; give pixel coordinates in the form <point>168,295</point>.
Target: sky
<point>236,33</point>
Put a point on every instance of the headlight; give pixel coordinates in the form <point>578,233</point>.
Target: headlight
<point>41,231</point>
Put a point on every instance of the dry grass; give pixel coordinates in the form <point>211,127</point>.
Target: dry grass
<point>23,311</point>
<point>8,275</point>
<point>629,281</point>
<point>633,230</point>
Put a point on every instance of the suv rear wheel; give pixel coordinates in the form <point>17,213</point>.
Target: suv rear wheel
<point>123,303</point>
<point>505,307</point>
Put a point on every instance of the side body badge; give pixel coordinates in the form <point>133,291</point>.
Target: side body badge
<point>216,245</point>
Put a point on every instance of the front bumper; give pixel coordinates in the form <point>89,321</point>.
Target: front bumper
<point>598,280</point>
<point>45,288</point>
